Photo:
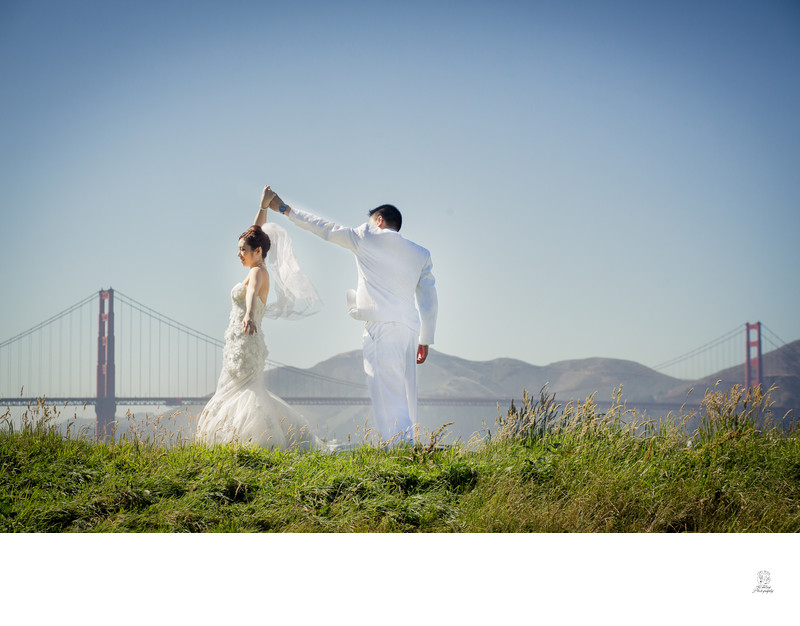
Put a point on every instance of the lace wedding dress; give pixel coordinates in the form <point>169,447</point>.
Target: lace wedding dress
<point>243,410</point>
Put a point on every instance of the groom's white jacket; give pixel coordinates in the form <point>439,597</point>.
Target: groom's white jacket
<point>391,271</point>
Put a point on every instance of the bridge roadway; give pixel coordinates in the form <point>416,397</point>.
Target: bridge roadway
<point>325,400</point>
<point>789,417</point>
<point>298,400</point>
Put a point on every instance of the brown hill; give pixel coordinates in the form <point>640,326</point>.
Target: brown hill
<point>447,376</point>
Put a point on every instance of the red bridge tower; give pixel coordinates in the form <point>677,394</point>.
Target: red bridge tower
<point>106,399</point>
<point>753,361</point>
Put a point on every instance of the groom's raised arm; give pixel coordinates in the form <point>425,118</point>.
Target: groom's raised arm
<point>327,230</point>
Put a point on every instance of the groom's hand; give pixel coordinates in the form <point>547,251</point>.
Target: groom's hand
<point>422,354</point>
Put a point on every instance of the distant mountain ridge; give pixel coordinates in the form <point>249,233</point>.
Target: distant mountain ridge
<point>447,376</point>
<point>450,376</point>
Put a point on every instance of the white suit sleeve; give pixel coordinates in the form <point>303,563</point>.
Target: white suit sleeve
<point>329,231</point>
<point>428,303</point>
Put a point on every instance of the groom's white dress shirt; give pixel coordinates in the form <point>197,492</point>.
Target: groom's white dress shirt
<point>393,272</point>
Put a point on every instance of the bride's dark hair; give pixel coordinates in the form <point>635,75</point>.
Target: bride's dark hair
<point>255,238</point>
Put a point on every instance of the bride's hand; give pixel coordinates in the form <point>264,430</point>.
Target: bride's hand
<point>248,325</point>
<point>267,197</point>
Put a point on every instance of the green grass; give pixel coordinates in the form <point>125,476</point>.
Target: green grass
<point>544,468</point>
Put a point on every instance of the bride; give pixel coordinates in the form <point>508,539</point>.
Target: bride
<point>242,409</point>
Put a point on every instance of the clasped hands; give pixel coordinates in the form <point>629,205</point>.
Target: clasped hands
<point>270,200</point>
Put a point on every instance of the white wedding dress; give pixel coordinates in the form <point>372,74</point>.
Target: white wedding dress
<point>243,410</point>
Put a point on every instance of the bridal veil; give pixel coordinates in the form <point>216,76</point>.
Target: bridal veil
<point>291,295</point>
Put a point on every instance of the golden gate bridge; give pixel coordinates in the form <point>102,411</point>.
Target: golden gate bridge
<point>109,349</point>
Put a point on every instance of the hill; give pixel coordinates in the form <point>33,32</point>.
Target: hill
<point>447,376</point>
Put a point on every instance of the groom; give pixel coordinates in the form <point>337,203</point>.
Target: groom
<point>391,271</point>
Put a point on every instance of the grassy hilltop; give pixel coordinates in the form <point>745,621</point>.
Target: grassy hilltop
<point>543,468</point>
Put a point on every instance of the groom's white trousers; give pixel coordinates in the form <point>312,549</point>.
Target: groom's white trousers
<point>390,363</point>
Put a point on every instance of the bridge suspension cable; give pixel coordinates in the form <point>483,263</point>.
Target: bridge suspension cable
<point>54,357</point>
<point>315,376</point>
<point>776,342</point>
<point>693,353</point>
<point>724,352</point>
<point>143,308</point>
<point>157,357</point>
<point>711,357</point>
<point>211,341</point>
<point>47,322</point>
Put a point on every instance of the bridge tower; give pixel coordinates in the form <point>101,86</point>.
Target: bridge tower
<point>753,361</point>
<point>106,399</point>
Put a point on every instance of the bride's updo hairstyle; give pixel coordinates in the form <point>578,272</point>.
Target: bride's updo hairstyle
<point>257,238</point>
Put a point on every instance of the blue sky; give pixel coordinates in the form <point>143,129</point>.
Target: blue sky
<point>612,179</point>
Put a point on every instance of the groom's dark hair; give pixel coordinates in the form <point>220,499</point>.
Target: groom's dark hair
<point>390,215</point>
